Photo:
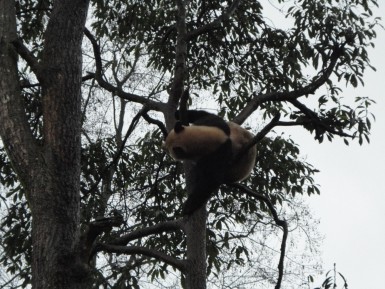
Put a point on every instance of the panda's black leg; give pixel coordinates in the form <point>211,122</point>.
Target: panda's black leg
<point>208,174</point>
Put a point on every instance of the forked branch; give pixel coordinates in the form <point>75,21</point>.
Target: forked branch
<point>93,230</point>
<point>119,152</point>
<point>278,96</point>
<point>119,244</point>
<point>259,136</point>
<point>98,75</point>
<point>216,23</point>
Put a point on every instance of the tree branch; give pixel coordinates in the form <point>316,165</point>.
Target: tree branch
<point>319,125</point>
<point>98,75</point>
<point>93,230</point>
<point>258,99</point>
<point>259,136</point>
<point>156,122</point>
<point>216,23</point>
<point>177,263</point>
<point>19,143</point>
<point>278,221</point>
<point>115,160</point>
<point>177,86</point>
<point>168,226</point>
<point>27,55</point>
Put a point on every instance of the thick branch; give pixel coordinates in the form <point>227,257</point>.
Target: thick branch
<point>168,226</point>
<point>87,77</point>
<point>157,123</point>
<point>278,221</point>
<point>19,143</point>
<point>258,99</point>
<point>216,23</point>
<point>98,75</point>
<point>94,229</point>
<point>179,264</point>
<point>96,49</point>
<point>27,55</point>
<point>177,86</point>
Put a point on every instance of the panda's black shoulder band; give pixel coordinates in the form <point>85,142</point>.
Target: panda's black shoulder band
<point>201,117</point>
<point>178,127</point>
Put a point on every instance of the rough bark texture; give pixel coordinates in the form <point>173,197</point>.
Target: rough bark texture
<point>196,250</point>
<point>14,130</point>
<point>49,173</point>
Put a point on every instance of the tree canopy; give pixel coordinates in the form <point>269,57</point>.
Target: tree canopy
<point>139,62</point>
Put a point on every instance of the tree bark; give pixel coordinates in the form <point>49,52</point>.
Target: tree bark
<point>195,277</point>
<point>50,173</point>
<point>17,138</point>
<point>195,229</point>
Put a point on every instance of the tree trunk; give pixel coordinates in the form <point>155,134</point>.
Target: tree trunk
<point>196,250</point>
<point>49,173</point>
<point>195,229</point>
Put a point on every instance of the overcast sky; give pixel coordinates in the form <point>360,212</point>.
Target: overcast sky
<point>352,202</point>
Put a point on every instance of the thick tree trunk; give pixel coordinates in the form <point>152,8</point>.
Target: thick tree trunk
<point>196,250</point>
<point>49,173</point>
<point>195,229</point>
<point>55,198</point>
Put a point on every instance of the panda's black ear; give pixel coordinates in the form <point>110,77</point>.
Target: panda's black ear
<point>178,127</point>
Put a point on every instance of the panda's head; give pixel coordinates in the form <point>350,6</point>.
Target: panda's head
<point>193,142</point>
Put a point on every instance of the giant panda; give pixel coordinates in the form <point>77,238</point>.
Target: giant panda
<point>213,145</point>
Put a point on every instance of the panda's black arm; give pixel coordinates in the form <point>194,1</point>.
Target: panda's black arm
<point>201,117</point>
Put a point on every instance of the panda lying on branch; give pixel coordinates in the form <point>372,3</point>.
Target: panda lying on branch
<point>217,149</point>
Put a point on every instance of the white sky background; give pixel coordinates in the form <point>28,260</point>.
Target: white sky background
<point>351,206</point>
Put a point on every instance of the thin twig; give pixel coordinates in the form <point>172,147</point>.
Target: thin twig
<point>278,221</point>
<point>118,154</point>
<point>294,94</point>
<point>98,75</point>
<point>216,23</point>
<point>319,125</point>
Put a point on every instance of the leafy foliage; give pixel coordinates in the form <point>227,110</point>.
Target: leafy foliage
<point>331,280</point>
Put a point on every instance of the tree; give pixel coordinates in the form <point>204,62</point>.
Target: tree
<point>70,203</point>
